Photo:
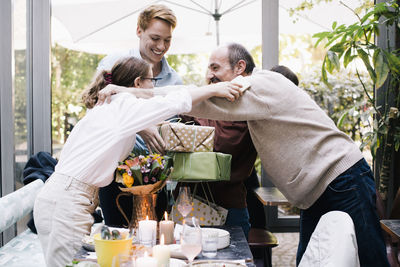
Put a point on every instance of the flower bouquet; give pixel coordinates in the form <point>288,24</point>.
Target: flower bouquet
<point>143,174</point>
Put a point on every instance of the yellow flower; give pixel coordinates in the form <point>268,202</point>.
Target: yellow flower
<point>128,180</point>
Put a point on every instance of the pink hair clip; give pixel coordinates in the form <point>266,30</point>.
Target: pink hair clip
<point>108,77</point>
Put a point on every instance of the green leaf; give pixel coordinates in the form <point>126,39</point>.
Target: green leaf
<point>334,25</point>
<point>381,68</point>
<point>341,119</point>
<point>137,174</point>
<point>365,58</point>
<point>324,75</point>
<point>394,62</point>
<point>359,34</point>
<point>376,29</point>
<point>338,48</point>
<point>334,60</point>
<point>328,64</point>
<point>331,40</point>
<point>321,35</point>
<point>366,16</point>
<point>347,58</point>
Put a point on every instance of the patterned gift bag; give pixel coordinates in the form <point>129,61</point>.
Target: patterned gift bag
<point>187,138</point>
<point>208,213</point>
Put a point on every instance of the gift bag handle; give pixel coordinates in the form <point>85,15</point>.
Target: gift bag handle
<point>119,207</point>
<point>205,193</point>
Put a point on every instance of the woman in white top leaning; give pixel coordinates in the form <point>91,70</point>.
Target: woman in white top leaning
<point>63,208</point>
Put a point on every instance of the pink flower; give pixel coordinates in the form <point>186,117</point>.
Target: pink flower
<point>132,162</point>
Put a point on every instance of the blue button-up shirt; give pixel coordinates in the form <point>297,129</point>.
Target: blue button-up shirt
<point>167,76</point>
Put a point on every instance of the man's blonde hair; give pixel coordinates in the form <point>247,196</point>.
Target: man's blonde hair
<point>156,12</point>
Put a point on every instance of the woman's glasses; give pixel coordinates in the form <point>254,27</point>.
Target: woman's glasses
<point>153,80</point>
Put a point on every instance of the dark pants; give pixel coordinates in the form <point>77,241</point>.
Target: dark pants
<point>352,192</point>
<point>112,216</point>
<point>239,217</point>
<point>254,205</point>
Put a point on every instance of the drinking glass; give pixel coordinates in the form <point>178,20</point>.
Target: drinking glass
<point>210,243</point>
<point>126,260</point>
<point>123,260</point>
<point>184,203</point>
<point>191,239</point>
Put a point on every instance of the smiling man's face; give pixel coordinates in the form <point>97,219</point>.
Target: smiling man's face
<point>155,40</point>
<point>219,68</point>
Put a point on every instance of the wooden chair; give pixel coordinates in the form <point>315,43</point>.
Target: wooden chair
<point>261,240</point>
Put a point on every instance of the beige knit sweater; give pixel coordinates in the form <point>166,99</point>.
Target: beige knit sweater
<point>300,147</point>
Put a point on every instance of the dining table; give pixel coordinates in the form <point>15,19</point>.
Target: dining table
<point>238,249</point>
<point>270,196</point>
<point>392,227</point>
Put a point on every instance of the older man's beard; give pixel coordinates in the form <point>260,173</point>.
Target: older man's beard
<point>214,80</point>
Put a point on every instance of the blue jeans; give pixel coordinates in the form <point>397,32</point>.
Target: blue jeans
<point>352,192</point>
<point>239,217</point>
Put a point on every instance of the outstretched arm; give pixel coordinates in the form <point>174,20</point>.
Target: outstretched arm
<point>227,90</point>
<point>104,95</point>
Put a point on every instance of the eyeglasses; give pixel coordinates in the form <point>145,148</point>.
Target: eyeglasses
<point>153,80</point>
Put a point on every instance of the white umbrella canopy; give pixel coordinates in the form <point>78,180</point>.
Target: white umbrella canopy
<point>106,26</point>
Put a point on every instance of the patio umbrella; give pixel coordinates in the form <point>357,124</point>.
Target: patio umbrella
<point>104,26</point>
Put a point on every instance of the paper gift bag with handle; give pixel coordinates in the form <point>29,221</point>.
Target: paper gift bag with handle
<point>204,209</point>
<point>187,138</point>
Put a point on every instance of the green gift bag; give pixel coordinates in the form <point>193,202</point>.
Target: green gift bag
<point>201,166</point>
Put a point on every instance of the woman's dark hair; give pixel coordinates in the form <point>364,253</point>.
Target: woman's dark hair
<point>285,71</point>
<point>238,52</point>
<point>123,73</point>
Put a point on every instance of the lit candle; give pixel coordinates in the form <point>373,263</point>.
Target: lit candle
<point>167,229</point>
<point>146,261</point>
<point>162,253</point>
<point>147,232</point>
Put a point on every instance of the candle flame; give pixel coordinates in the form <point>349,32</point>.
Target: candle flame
<point>166,216</point>
<point>162,239</point>
<point>147,217</point>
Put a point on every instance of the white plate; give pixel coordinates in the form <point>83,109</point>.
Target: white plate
<point>176,263</point>
<point>223,236</point>
<point>217,263</point>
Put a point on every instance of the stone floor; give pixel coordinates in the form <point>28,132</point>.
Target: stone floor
<point>284,255</point>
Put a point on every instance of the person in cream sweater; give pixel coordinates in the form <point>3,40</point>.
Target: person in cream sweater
<point>316,166</point>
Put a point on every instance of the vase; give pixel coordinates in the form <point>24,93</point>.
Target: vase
<point>143,206</point>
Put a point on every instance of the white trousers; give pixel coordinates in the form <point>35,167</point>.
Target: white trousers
<point>333,243</point>
<point>62,215</point>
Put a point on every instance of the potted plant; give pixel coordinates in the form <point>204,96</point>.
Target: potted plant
<point>356,43</point>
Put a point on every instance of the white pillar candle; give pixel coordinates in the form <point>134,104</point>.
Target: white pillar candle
<point>147,232</point>
<point>162,253</point>
<point>146,261</point>
<point>167,229</point>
